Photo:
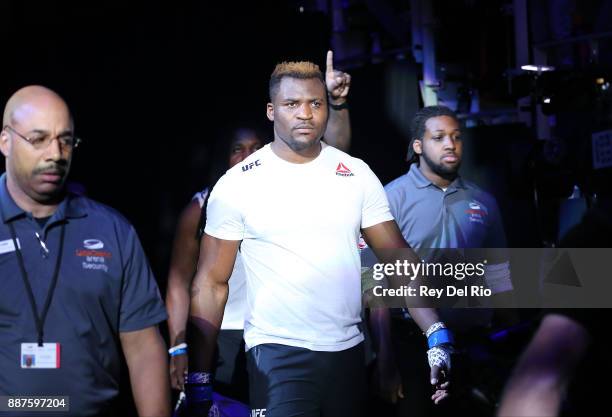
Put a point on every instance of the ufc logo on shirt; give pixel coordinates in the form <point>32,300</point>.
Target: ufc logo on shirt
<point>259,412</point>
<point>251,165</point>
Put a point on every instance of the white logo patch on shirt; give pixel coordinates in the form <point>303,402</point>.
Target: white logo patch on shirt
<point>93,244</point>
<point>476,212</point>
<point>93,257</point>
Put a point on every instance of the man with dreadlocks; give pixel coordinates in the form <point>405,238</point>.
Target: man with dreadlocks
<point>437,209</point>
<point>296,208</point>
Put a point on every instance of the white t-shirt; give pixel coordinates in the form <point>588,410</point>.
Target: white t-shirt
<point>235,308</point>
<point>299,225</point>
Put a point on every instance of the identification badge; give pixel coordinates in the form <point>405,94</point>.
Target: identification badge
<point>46,356</point>
<point>8,245</point>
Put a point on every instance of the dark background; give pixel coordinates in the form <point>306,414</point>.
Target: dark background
<point>156,88</point>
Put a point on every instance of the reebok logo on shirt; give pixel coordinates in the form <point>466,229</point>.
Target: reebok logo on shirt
<point>343,171</point>
<point>251,165</point>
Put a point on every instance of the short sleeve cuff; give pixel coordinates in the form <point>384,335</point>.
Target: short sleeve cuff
<point>141,324</point>
<point>374,220</point>
<point>223,234</point>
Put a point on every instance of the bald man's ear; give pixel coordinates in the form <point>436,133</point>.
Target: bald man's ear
<point>417,146</point>
<point>270,112</point>
<point>5,144</point>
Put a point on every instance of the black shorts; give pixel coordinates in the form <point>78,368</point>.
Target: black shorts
<point>287,381</point>
<point>231,378</point>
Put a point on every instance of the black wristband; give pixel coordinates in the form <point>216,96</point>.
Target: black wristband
<point>338,106</point>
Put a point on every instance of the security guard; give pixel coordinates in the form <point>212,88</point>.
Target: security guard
<point>74,280</point>
<point>437,212</point>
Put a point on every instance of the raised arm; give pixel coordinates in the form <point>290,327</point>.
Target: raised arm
<point>338,132</point>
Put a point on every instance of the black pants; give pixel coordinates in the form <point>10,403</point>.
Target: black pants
<point>287,381</point>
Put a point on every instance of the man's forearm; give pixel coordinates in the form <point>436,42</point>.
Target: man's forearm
<point>148,369</point>
<point>543,372</point>
<point>389,245</point>
<point>380,326</point>
<point>207,305</point>
<point>424,317</point>
<point>338,132</point>
<point>177,303</point>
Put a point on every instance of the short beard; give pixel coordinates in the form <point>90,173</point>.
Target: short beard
<point>449,173</point>
<point>297,146</point>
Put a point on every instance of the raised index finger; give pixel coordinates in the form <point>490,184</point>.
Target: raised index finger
<point>329,68</point>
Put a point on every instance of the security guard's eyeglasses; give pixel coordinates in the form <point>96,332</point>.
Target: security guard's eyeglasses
<point>42,140</point>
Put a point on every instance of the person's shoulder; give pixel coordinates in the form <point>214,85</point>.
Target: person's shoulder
<point>199,197</point>
<point>476,189</point>
<point>398,184</point>
<point>251,164</point>
<point>239,176</point>
<point>99,212</point>
<point>479,193</point>
<point>349,163</point>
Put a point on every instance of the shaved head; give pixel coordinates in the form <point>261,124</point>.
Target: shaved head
<point>35,175</point>
<point>31,99</point>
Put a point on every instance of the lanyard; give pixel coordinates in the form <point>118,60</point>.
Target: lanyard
<point>40,320</point>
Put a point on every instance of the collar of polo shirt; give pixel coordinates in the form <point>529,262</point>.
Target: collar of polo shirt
<point>421,181</point>
<point>10,210</point>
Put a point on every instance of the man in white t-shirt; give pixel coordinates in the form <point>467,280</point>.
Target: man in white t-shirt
<point>296,208</point>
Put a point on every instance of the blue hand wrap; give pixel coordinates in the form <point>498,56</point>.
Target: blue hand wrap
<point>440,337</point>
<point>177,352</point>
<point>198,393</point>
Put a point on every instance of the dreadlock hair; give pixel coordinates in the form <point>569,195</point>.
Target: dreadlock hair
<point>302,70</point>
<point>223,149</point>
<point>417,126</point>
